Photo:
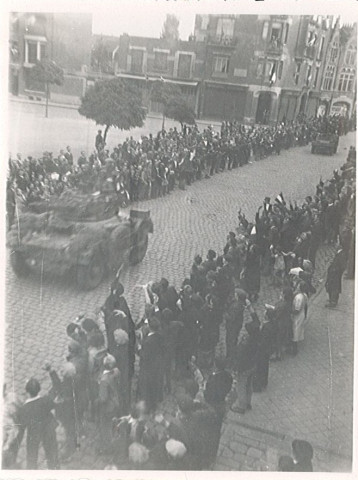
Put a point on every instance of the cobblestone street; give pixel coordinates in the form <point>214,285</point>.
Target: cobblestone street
<point>308,397</point>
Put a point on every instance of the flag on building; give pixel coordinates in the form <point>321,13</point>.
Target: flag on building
<point>312,39</point>
<point>272,79</point>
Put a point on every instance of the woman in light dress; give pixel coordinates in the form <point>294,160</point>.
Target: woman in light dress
<point>299,316</point>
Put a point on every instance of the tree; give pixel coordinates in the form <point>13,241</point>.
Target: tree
<point>163,92</point>
<point>113,103</point>
<point>48,73</point>
<point>179,110</point>
<point>170,30</point>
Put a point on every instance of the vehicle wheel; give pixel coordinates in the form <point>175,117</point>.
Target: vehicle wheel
<point>90,276</point>
<point>19,265</point>
<point>138,252</point>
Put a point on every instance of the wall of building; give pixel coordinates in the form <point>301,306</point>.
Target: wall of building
<point>64,38</point>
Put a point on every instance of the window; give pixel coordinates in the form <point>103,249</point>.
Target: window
<point>265,29</point>
<point>221,64</point>
<point>320,50</point>
<point>225,27</point>
<point>346,80</point>
<point>42,50</point>
<point>31,52</point>
<point>184,65</point>
<point>315,81</point>
<point>351,56</point>
<point>328,78</point>
<point>35,50</point>
<point>276,31</point>
<point>286,33</point>
<point>161,61</point>
<point>280,69</point>
<point>296,75</point>
<point>333,53</point>
<point>137,60</point>
<point>204,22</point>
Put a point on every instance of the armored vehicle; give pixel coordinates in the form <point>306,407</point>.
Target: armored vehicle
<point>81,235</point>
<point>325,143</point>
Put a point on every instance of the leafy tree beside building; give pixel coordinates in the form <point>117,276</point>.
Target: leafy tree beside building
<point>47,73</point>
<point>113,103</point>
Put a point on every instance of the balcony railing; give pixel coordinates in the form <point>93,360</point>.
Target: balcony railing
<point>275,46</point>
<point>224,41</point>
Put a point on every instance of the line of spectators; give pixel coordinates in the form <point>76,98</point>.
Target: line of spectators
<point>177,337</point>
<point>153,166</point>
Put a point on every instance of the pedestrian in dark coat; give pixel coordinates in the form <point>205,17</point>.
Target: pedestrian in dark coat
<point>266,347</point>
<point>151,367</point>
<point>218,386</point>
<point>116,301</point>
<point>245,366</point>
<point>283,321</point>
<point>252,273</point>
<point>36,418</point>
<point>65,405</point>
<point>334,278</point>
<point>234,317</point>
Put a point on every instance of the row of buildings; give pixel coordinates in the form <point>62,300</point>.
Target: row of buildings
<point>253,68</point>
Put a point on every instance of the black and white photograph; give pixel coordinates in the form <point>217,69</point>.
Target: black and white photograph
<point>179,191</point>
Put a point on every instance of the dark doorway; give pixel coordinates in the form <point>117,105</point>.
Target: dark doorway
<point>263,111</point>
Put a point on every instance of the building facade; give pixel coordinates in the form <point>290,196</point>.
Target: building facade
<point>145,60</point>
<point>338,89</point>
<point>64,38</point>
<point>262,68</point>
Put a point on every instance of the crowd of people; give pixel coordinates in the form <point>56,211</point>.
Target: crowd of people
<point>154,165</point>
<point>176,339</point>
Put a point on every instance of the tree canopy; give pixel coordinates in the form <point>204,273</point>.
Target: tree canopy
<point>113,103</point>
<point>180,110</point>
<point>162,91</point>
<point>46,73</point>
<point>170,30</point>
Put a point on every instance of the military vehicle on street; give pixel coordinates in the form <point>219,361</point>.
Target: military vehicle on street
<point>325,143</point>
<point>80,235</point>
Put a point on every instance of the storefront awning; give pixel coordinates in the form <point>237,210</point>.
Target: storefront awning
<point>153,79</point>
